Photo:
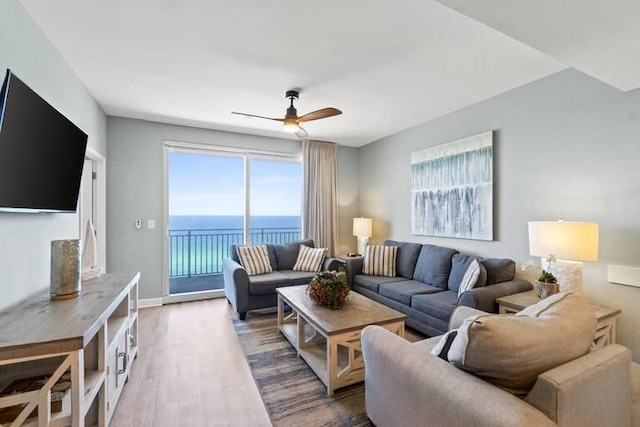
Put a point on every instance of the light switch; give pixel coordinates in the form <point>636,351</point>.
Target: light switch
<point>151,224</point>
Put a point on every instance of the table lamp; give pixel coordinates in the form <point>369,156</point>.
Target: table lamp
<point>564,245</point>
<point>362,229</point>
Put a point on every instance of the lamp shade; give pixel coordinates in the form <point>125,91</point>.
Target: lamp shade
<point>362,227</point>
<point>568,240</point>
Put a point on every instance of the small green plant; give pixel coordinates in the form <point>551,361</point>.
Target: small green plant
<point>329,288</point>
<point>547,277</point>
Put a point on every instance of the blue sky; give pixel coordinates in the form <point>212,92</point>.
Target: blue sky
<point>213,185</point>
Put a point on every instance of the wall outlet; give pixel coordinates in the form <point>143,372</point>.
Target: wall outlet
<point>138,224</point>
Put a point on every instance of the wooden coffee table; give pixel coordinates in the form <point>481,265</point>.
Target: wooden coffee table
<point>329,340</point>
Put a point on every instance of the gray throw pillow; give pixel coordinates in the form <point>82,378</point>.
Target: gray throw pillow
<point>499,269</point>
<point>459,266</point>
<point>287,253</point>
<point>434,265</point>
<point>406,258</point>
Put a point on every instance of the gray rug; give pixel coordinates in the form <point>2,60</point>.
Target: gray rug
<point>292,393</point>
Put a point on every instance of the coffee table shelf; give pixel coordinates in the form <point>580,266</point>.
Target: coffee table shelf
<point>329,340</point>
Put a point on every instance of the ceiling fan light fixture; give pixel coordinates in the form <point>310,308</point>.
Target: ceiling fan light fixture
<point>291,126</point>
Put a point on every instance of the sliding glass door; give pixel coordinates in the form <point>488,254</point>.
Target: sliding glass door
<point>215,199</point>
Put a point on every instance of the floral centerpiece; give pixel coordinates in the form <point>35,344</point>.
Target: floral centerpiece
<point>546,283</point>
<point>329,288</point>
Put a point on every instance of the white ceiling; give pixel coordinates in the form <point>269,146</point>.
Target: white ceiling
<point>387,65</point>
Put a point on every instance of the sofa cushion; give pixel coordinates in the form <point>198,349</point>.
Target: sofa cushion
<point>298,277</point>
<point>499,269</point>
<point>287,253</point>
<point>439,305</point>
<point>475,274</point>
<point>266,284</point>
<point>380,261</point>
<point>434,265</point>
<point>407,256</point>
<point>310,259</point>
<point>373,282</point>
<point>254,259</point>
<point>403,291</point>
<point>441,349</point>
<point>459,266</point>
<point>558,329</point>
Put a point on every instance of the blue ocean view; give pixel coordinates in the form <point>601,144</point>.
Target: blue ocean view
<point>202,222</point>
<point>199,244</point>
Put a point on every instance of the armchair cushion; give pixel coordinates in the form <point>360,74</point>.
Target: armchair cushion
<point>558,329</point>
<point>254,259</point>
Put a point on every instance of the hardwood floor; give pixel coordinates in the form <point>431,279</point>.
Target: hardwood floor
<point>190,371</point>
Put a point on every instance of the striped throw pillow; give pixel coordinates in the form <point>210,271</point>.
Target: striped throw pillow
<point>380,261</point>
<point>254,259</point>
<point>470,278</point>
<point>310,259</point>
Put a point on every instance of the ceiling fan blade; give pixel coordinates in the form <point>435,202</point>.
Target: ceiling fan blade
<point>319,114</point>
<point>256,116</point>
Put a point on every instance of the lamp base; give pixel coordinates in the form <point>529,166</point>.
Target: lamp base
<point>568,273</point>
<point>362,244</point>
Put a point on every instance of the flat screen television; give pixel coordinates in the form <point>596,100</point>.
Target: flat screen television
<point>41,153</point>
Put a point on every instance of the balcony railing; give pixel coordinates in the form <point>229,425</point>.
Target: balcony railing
<point>201,252</point>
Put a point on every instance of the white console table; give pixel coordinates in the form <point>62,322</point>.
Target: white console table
<point>93,336</point>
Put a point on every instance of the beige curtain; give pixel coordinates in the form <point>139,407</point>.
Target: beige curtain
<point>320,193</point>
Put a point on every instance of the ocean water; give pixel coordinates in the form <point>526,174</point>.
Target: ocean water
<point>199,244</point>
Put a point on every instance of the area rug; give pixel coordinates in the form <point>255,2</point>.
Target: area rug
<point>291,391</point>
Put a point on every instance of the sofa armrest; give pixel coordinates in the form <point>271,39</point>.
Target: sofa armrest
<point>404,386</point>
<point>353,267</point>
<point>236,285</point>
<point>591,390</point>
<point>484,298</point>
<point>331,264</point>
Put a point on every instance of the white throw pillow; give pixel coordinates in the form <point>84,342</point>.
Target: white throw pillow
<point>510,351</point>
<point>470,278</point>
<point>310,259</point>
<point>380,261</point>
<point>254,259</point>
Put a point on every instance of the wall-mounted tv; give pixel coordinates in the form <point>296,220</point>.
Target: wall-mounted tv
<point>41,153</point>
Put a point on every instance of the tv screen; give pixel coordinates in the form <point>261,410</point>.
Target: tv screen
<point>41,153</point>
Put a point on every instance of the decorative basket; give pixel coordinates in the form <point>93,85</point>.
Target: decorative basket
<point>329,288</point>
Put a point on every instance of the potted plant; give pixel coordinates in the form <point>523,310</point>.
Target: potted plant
<point>546,282</point>
<point>329,288</point>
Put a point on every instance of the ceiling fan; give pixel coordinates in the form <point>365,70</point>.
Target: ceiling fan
<point>291,120</point>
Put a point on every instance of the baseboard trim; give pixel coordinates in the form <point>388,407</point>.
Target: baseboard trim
<point>149,302</point>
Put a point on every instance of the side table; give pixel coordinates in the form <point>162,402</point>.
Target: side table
<point>606,317</point>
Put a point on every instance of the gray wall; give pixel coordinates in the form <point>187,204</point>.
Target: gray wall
<point>566,146</point>
<point>135,179</point>
<point>25,238</point>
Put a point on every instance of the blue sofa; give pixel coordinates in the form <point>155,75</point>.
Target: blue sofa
<point>247,293</point>
<point>427,281</point>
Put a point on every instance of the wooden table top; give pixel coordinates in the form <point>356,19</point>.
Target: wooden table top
<point>39,325</point>
<point>523,300</point>
<point>357,312</point>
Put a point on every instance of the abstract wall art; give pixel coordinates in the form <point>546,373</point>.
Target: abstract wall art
<point>452,189</point>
